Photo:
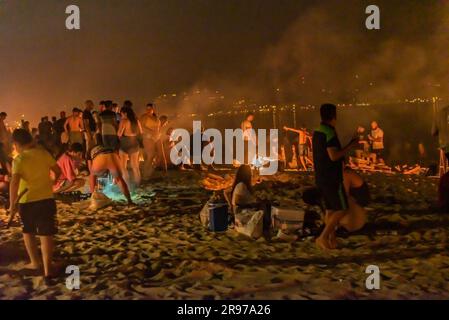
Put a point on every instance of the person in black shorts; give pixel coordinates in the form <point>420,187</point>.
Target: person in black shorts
<point>328,158</point>
<point>31,189</point>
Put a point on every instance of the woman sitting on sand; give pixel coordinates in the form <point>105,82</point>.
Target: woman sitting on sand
<point>242,190</point>
<point>358,198</point>
<point>242,196</point>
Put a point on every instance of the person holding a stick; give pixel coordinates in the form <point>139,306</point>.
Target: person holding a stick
<point>37,208</point>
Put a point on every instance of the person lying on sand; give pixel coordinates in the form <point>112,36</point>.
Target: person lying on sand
<point>358,198</point>
<point>105,161</point>
<point>37,208</point>
<point>68,163</point>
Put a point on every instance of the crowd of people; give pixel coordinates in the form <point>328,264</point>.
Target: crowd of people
<point>71,139</point>
<point>296,150</point>
<point>58,155</point>
<point>52,158</point>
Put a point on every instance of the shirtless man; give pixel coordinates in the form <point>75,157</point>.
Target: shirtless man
<point>89,125</point>
<point>107,161</point>
<point>302,144</point>
<point>74,127</point>
<point>248,138</point>
<point>377,140</point>
<point>150,127</point>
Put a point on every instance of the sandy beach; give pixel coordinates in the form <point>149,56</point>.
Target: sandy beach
<point>159,249</point>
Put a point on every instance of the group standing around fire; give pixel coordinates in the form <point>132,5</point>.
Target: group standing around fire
<point>109,141</point>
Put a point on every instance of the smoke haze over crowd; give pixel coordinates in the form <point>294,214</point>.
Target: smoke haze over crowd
<point>267,51</point>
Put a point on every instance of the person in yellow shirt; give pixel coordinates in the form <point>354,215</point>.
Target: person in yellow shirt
<point>37,208</point>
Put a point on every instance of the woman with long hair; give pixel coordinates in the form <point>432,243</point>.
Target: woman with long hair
<point>242,196</point>
<point>242,190</point>
<point>128,133</point>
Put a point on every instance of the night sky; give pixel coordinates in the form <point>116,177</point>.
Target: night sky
<point>138,49</point>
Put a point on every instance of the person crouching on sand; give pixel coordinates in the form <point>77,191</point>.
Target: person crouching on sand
<point>37,208</point>
<point>68,163</point>
<point>106,161</point>
<point>358,198</point>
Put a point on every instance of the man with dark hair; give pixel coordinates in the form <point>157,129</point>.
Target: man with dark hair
<point>90,126</point>
<point>74,127</point>
<point>45,131</point>
<point>37,208</point>
<point>127,104</point>
<point>109,127</point>
<point>328,158</point>
<point>4,134</point>
<point>59,125</point>
<point>116,109</point>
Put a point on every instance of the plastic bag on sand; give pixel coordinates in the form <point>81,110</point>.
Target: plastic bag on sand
<point>98,201</point>
<point>249,223</point>
<point>204,215</point>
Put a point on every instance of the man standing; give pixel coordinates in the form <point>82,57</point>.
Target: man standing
<point>74,127</point>
<point>59,126</point>
<point>328,158</point>
<point>377,139</point>
<point>440,128</point>
<point>302,145</point>
<point>89,125</point>
<point>249,139</point>
<point>37,208</point>
<point>109,126</point>
<point>45,131</point>
<point>4,134</point>
<point>150,127</point>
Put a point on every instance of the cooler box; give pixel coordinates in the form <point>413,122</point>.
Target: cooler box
<point>287,219</point>
<point>218,217</point>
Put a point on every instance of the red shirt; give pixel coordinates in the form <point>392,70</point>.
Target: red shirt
<point>68,168</point>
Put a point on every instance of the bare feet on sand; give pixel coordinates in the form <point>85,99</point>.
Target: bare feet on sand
<point>323,243</point>
<point>32,266</point>
<point>333,241</point>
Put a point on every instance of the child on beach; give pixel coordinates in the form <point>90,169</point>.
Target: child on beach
<point>37,207</point>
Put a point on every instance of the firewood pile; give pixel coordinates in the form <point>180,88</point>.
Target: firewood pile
<point>215,182</point>
<point>366,165</point>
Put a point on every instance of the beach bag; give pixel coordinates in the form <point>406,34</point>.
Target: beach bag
<point>214,216</point>
<point>218,216</point>
<point>287,219</point>
<point>249,223</point>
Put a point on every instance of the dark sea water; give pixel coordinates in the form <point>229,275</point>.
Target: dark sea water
<point>405,126</point>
